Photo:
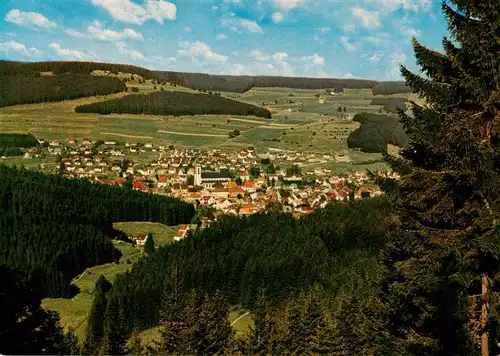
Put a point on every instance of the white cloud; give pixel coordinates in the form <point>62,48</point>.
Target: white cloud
<point>250,26</point>
<point>199,49</point>
<point>369,19</point>
<point>29,19</point>
<point>215,8</point>
<point>347,44</point>
<point>258,55</point>
<point>324,30</point>
<point>221,36</point>
<point>277,17</point>
<point>315,59</point>
<point>130,12</point>
<point>75,33</point>
<point>66,52</point>
<point>372,39</point>
<point>280,58</point>
<point>375,57</point>
<point>287,5</point>
<point>410,31</point>
<point>279,65</point>
<point>188,29</point>
<point>96,30</point>
<point>409,5</point>
<point>236,69</point>
<point>13,46</point>
<point>130,53</point>
<point>160,10</point>
<point>348,75</point>
<point>234,24</point>
<point>349,28</point>
<point>395,60</point>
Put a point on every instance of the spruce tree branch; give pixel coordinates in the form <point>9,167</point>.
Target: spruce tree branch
<point>488,207</point>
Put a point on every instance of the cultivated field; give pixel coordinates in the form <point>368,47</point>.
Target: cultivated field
<point>303,120</point>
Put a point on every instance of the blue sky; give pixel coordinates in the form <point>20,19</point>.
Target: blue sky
<point>316,38</point>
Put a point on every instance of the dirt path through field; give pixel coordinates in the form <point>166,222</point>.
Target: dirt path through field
<point>277,127</point>
<point>249,121</point>
<point>128,136</point>
<point>190,134</point>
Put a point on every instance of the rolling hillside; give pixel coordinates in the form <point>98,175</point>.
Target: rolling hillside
<point>228,83</point>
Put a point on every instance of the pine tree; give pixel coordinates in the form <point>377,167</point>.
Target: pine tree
<point>309,332</point>
<point>207,329</point>
<point>443,248</point>
<point>115,333</point>
<point>172,316</point>
<point>95,323</point>
<point>149,246</point>
<point>25,327</point>
<point>134,346</point>
<point>269,329</point>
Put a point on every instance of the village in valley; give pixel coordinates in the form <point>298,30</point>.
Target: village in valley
<point>243,182</point>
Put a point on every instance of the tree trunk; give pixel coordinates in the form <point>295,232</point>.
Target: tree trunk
<point>484,317</point>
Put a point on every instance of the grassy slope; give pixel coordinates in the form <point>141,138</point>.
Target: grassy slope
<point>162,234</point>
<point>74,311</point>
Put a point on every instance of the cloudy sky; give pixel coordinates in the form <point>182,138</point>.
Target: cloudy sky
<point>317,38</point>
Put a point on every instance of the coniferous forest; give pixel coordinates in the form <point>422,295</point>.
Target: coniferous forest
<point>15,90</point>
<point>11,144</point>
<point>174,103</point>
<point>58,227</point>
<point>201,81</point>
<point>415,272</point>
<point>375,132</point>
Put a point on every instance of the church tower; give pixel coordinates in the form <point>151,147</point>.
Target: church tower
<point>197,176</point>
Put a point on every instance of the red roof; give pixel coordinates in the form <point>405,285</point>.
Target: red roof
<point>162,179</point>
<point>140,185</point>
<point>249,184</point>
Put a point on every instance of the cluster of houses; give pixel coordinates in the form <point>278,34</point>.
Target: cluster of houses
<point>220,183</point>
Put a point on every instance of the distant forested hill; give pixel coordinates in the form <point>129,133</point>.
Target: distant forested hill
<point>11,68</point>
<point>58,227</point>
<point>28,89</point>
<point>375,132</point>
<point>240,84</point>
<point>275,253</point>
<point>229,83</point>
<point>388,88</point>
<point>391,105</point>
<point>174,103</point>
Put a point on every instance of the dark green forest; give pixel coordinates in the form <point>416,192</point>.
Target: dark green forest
<point>375,132</point>
<point>336,248</point>
<point>209,82</point>
<point>25,327</point>
<point>59,227</point>
<point>174,103</point>
<point>21,89</point>
<point>391,105</point>
<point>11,144</point>
<point>11,68</point>
<point>241,84</point>
<point>388,88</point>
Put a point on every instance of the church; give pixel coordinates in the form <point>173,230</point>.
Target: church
<point>208,179</point>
